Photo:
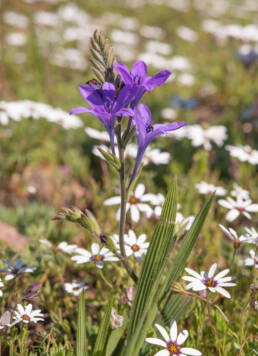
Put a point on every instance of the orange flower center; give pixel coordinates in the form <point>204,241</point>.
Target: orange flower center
<point>98,258</point>
<point>135,248</point>
<point>173,348</point>
<point>133,200</point>
<point>26,317</point>
<point>210,283</point>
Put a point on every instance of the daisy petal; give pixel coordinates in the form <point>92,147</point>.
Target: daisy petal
<point>173,331</point>
<point>182,337</point>
<point>162,332</point>
<point>155,341</point>
<point>190,351</point>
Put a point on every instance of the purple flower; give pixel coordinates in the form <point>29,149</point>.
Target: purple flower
<point>147,131</point>
<point>106,105</point>
<point>139,80</point>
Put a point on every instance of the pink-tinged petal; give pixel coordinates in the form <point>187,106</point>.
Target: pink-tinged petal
<point>173,331</point>
<point>223,292</point>
<point>193,273</point>
<point>154,341</point>
<point>139,191</point>
<point>232,215</point>
<point>124,73</point>
<point>163,332</point>
<point>112,201</point>
<point>135,215</point>
<point>79,110</point>
<point>162,353</point>
<point>182,337</point>
<point>225,204</point>
<point>252,208</point>
<point>159,78</point>
<point>190,351</point>
<point>139,69</point>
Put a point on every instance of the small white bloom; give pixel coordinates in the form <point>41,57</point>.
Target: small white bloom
<point>206,188</point>
<point>96,134</point>
<point>1,286</point>
<point>116,320</point>
<point>187,34</point>
<point>243,153</point>
<point>251,235</point>
<point>133,245</point>
<point>27,315</point>
<point>135,204</point>
<point>233,236</point>
<point>186,79</point>
<point>61,247</point>
<point>237,207</point>
<point>200,136</point>
<point>172,342</point>
<point>75,287</point>
<point>252,260</point>
<point>239,192</point>
<point>203,281</point>
<point>14,270</point>
<point>97,255</point>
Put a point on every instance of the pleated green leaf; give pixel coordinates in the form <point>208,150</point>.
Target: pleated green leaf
<point>176,307</point>
<point>103,331</point>
<point>81,339</point>
<point>153,266</point>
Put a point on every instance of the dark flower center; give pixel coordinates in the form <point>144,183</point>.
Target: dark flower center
<point>133,200</point>
<point>210,283</point>
<point>135,248</point>
<point>26,317</point>
<point>172,348</point>
<point>149,128</point>
<point>97,258</point>
<point>76,289</point>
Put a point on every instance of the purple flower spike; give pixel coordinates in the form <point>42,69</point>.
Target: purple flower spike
<point>138,78</point>
<point>106,105</point>
<point>147,131</point>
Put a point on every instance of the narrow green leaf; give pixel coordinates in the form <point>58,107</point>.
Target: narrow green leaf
<point>153,266</point>
<point>103,330</point>
<point>110,158</point>
<point>114,338</point>
<point>176,307</point>
<point>81,340</point>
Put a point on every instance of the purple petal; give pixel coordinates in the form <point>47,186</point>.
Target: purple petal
<point>140,70</point>
<point>125,112</point>
<point>91,95</point>
<point>124,97</point>
<point>108,91</point>
<point>159,78</point>
<point>124,73</point>
<point>78,110</point>
<point>145,114</point>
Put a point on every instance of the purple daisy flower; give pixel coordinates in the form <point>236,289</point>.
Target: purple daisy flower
<point>139,80</point>
<point>147,131</point>
<point>106,105</point>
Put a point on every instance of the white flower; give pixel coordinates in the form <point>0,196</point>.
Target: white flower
<point>61,247</point>
<point>172,343</point>
<point>239,192</point>
<point>251,235</point>
<point>1,286</point>
<point>98,135</point>
<point>206,188</point>
<point>200,136</point>
<point>135,204</point>
<point>15,270</point>
<point>27,315</point>
<point>154,155</point>
<point>208,281</point>
<point>116,320</point>
<point>186,79</point>
<point>133,245</point>
<point>252,260</point>
<point>97,255</point>
<point>187,34</point>
<point>243,153</point>
<point>237,207</point>
<point>75,287</point>
<point>232,235</point>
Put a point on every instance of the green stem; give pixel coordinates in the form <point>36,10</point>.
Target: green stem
<point>104,279</point>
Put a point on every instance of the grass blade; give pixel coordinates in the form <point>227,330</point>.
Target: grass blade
<point>81,341</point>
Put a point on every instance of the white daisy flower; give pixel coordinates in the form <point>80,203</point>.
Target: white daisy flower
<point>172,342</point>
<point>96,134</point>
<point>203,281</point>
<point>237,207</point>
<point>252,260</point>
<point>1,286</point>
<point>75,287</point>
<point>243,153</point>
<point>27,315</point>
<point>133,245</point>
<point>233,236</point>
<point>204,137</point>
<point>15,270</point>
<point>61,247</point>
<point>205,188</point>
<point>151,155</point>
<point>135,204</point>
<point>239,192</point>
<point>251,235</point>
<point>97,255</point>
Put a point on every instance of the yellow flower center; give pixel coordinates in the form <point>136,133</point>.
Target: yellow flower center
<point>133,200</point>
<point>135,248</point>
<point>210,283</point>
<point>173,348</point>
<point>98,258</point>
<point>26,317</point>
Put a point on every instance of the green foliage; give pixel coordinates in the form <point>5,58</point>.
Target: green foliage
<point>81,342</point>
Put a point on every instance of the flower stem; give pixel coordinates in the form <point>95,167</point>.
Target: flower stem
<point>105,279</point>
